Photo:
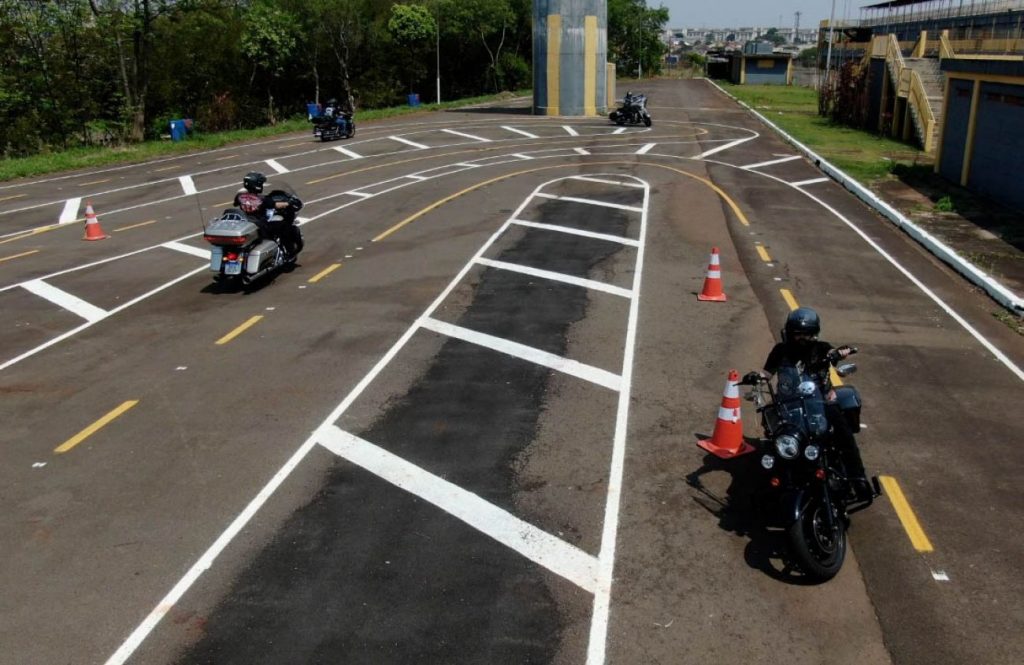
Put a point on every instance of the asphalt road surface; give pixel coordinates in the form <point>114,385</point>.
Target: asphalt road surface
<point>462,429</point>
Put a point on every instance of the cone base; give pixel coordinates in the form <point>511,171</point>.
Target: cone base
<point>99,237</point>
<point>725,453</point>
<point>718,298</point>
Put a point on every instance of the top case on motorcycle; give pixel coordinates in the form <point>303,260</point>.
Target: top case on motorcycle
<point>849,403</point>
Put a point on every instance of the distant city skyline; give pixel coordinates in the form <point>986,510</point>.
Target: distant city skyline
<point>737,13</point>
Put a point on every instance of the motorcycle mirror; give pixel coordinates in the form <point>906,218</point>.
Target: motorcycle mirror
<point>846,370</point>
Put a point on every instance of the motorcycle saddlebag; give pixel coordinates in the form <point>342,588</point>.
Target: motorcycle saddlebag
<point>232,229</point>
<point>260,256</point>
<point>849,403</point>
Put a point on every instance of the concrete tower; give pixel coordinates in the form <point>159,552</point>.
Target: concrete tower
<point>570,53</point>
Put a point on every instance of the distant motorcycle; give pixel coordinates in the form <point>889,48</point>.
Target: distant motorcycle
<point>633,111</point>
<point>340,125</point>
<point>810,488</point>
<point>246,247</point>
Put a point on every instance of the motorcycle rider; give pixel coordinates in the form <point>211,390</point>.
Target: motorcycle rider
<point>800,344</point>
<point>273,213</point>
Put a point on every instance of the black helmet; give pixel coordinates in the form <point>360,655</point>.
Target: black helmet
<point>802,320</point>
<point>253,182</point>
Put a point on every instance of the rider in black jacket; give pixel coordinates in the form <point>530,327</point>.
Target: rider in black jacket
<point>273,213</point>
<point>800,344</point>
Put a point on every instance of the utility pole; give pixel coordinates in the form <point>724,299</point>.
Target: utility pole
<point>796,27</point>
<point>831,28</point>
<point>437,35</point>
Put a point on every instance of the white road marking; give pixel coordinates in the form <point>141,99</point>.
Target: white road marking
<point>468,136</point>
<point>519,131</point>
<point>187,249</point>
<point>576,199</point>
<point>809,182</point>
<point>771,162</point>
<point>274,164</point>
<point>416,177</point>
<point>575,368</point>
<point>362,195</point>
<point>351,153</point>
<point>730,144</point>
<point>645,149</point>
<point>419,146</point>
<point>940,576</point>
<point>578,232</point>
<point>522,156</point>
<point>570,130</point>
<point>535,544</point>
<point>70,212</point>
<point>187,185</point>
<point>581,151</point>
<point>606,181</point>
<point>61,298</point>
<point>620,130</point>
<point>468,165</point>
<point>557,277</point>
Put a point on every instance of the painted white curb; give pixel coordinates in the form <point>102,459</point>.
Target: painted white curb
<point>997,291</point>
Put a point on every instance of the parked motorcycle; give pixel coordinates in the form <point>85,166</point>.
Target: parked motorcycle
<point>246,247</point>
<point>807,479</point>
<point>633,111</point>
<point>340,125</point>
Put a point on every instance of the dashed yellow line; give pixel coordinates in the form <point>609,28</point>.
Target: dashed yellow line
<point>135,226</point>
<point>94,182</point>
<point>12,196</point>
<point>906,514</point>
<point>221,205</point>
<point>787,295</point>
<point>763,254</point>
<point>96,426</point>
<point>18,256</point>
<point>20,236</point>
<point>292,145</point>
<point>323,273</point>
<point>240,329</point>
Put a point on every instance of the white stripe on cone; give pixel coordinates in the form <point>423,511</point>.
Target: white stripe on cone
<point>729,415</point>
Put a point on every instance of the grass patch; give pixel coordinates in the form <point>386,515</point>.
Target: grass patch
<point>863,155</point>
<point>80,158</point>
<point>945,204</point>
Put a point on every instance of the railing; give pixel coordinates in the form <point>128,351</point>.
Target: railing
<point>910,86</point>
<point>945,47</point>
<point>938,9</point>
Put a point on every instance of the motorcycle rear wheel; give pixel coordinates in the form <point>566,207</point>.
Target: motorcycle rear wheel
<point>819,549</point>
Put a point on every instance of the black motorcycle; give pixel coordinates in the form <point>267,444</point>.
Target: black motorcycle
<point>808,484</point>
<point>339,125</point>
<point>633,111</point>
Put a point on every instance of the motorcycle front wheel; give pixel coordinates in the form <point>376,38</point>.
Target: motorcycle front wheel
<point>818,543</point>
<point>647,120</point>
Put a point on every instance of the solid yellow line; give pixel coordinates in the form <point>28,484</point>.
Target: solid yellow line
<point>135,226</point>
<point>323,273</point>
<point>18,256</point>
<point>240,329</point>
<point>764,254</point>
<point>12,196</point>
<point>92,429</point>
<point>33,232</point>
<point>93,182</point>
<point>906,514</point>
<point>787,295</point>
<point>226,203</point>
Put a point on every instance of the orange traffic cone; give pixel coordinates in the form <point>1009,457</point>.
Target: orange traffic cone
<point>713,282</point>
<point>727,440</point>
<point>92,225</point>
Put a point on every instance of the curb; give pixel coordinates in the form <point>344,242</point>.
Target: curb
<point>997,291</point>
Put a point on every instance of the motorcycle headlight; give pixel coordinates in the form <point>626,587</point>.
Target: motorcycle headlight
<point>787,446</point>
<point>811,452</point>
<point>767,461</point>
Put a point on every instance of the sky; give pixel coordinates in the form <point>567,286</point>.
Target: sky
<point>762,13</point>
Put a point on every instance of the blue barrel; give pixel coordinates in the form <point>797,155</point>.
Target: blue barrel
<point>313,110</point>
<point>177,130</point>
<point>414,99</point>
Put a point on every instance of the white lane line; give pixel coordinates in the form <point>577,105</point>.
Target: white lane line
<point>812,181</point>
<point>579,232</point>
<point>274,164</point>
<point>620,130</point>
<point>362,195</point>
<point>570,130</point>
<point>187,185</point>
<point>528,353</point>
<point>61,298</point>
<point>417,177</point>
<point>730,144</point>
<point>522,156</point>
<point>418,146</point>
<point>557,277</point>
<point>519,131</point>
<point>605,181</point>
<point>606,558</point>
<point>535,544</point>
<point>70,212</point>
<point>645,149</point>
<point>770,162</point>
<point>595,202</point>
<point>187,249</point>
<point>581,151</point>
<point>467,136</point>
<point>350,153</point>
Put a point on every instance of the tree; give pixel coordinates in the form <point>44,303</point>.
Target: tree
<point>634,35</point>
<point>774,36</point>
<point>268,40</point>
<point>488,21</point>
<point>412,28</point>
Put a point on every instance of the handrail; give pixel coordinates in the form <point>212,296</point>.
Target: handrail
<point>945,47</point>
<point>910,85</point>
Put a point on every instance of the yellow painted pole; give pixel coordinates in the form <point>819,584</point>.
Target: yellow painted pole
<point>554,61</point>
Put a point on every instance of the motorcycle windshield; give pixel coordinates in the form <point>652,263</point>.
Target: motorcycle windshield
<point>800,400</point>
